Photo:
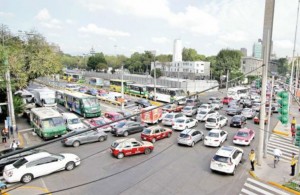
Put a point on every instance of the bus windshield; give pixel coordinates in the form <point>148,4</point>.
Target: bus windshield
<point>49,100</point>
<point>52,122</point>
<point>89,102</point>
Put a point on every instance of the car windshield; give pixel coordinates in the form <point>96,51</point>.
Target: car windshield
<point>89,102</point>
<point>221,159</point>
<point>49,100</point>
<point>169,116</point>
<point>189,101</point>
<point>242,134</point>
<point>187,108</point>
<point>52,122</point>
<point>73,121</point>
<point>180,121</point>
<point>120,124</point>
<point>19,163</point>
<point>213,134</point>
<point>236,119</point>
<point>115,144</point>
<point>183,135</point>
<point>147,131</point>
<point>211,120</point>
<point>202,112</point>
<point>100,122</point>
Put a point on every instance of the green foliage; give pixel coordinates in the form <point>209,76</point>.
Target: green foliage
<point>213,67</point>
<point>283,66</point>
<point>164,58</point>
<point>94,61</point>
<point>158,73</point>
<point>189,54</point>
<point>139,62</point>
<point>18,105</point>
<point>74,61</point>
<point>115,61</point>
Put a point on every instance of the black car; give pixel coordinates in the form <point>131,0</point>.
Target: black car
<point>234,110</point>
<point>247,103</point>
<point>143,103</point>
<point>11,159</point>
<point>238,121</point>
<point>124,128</point>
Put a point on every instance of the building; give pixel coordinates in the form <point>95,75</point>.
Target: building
<point>257,50</point>
<point>244,52</point>
<point>177,50</point>
<point>249,64</point>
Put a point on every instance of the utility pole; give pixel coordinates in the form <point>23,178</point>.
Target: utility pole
<point>154,53</point>
<point>122,88</point>
<point>227,79</point>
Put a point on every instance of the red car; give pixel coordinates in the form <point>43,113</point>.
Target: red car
<point>113,116</point>
<point>154,133</point>
<point>99,121</point>
<point>226,100</point>
<point>244,137</point>
<point>256,119</point>
<point>172,108</point>
<point>128,147</point>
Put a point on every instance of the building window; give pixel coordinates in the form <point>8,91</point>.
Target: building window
<point>202,71</point>
<point>244,61</point>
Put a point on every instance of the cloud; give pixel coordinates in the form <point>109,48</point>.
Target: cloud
<point>235,36</point>
<point>283,44</point>
<point>6,14</point>
<point>69,21</point>
<point>160,40</point>
<point>112,39</point>
<point>47,21</point>
<point>43,15</point>
<point>94,29</point>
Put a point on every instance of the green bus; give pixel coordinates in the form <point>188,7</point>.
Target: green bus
<point>116,85</point>
<point>83,104</point>
<point>47,122</point>
<point>137,89</point>
<point>59,97</point>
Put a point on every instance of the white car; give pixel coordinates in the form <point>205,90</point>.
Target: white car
<point>164,113</point>
<point>216,106</point>
<point>205,107</point>
<point>227,159</point>
<point>216,121</point>
<point>249,113</point>
<point>189,110</point>
<point>170,118</point>
<point>73,122</point>
<point>204,114</point>
<point>29,167</point>
<point>73,87</point>
<point>184,123</point>
<point>215,137</point>
<point>256,106</point>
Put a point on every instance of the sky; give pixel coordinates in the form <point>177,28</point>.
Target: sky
<point>128,26</point>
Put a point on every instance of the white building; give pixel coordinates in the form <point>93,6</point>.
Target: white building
<point>177,50</point>
<point>255,64</point>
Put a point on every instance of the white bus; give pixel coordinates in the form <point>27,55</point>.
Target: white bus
<point>44,97</point>
<point>238,92</point>
<point>166,94</point>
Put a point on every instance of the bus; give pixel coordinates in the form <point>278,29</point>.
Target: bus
<point>137,89</point>
<point>166,94</point>
<point>44,97</point>
<point>96,81</point>
<point>28,100</point>
<point>72,76</point>
<point>238,92</point>
<point>83,104</point>
<point>116,85</point>
<point>47,122</point>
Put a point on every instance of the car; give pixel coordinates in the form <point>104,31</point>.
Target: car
<point>36,165</point>
<point>170,118</point>
<point>193,102</point>
<point>256,119</point>
<point>275,107</point>
<point>238,121</point>
<point>212,99</point>
<point>184,123</point>
<point>143,103</point>
<point>13,158</point>
<point>205,107</point>
<point>126,114</point>
<point>216,105</point>
<point>227,159</point>
<point>189,110</point>
<point>190,137</point>
<point>204,114</point>
<point>215,138</point>
<point>248,113</point>
<point>215,121</point>
<point>83,138</point>
<point>233,103</point>
<point>256,106</point>
<point>131,146</point>
<point>72,87</point>
<point>247,103</point>
<point>244,136</point>
<point>73,122</point>
<point>234,110</point>
<point>113,116</point>
<point>226,100</point>
<point>124,128</point>
<point>92,91</point>
<point>83,89</point>
<point>163,114</point>
<point>99,121</point>
<point>154,133</point>
<point>172,108</point>
<point>256,98</point>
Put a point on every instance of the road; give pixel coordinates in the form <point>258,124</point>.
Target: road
<point>169,169</point>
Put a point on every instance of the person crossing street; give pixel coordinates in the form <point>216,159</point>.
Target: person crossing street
<point>252,159</point>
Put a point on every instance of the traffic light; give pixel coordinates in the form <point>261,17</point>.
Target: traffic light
<point>258,83</point>
<point>297,141</point>
<point>284,103</point>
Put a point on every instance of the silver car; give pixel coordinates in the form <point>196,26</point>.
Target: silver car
<point>189,110</point>
<point>189,137</point>
<point>86,137</point>
<point>248,113</point>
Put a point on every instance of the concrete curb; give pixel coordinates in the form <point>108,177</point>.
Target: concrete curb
<point>280,132</point>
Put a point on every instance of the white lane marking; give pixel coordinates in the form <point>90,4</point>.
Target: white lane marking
<point>257,189</point>
<point>267,186</point>
<point>248,192</point>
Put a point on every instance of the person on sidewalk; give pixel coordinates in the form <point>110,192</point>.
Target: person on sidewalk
<point>277,153</point>
<point>14,144</point>
<point>293,164</point>
<point>11,130</point>
<point>293,123</point>
<point>3,135</point>
<point>252,159</point>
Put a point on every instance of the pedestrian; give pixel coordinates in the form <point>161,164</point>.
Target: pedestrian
<point>188,93</point>
<point>3,135</point>
<point>11,129</point>
<point>252,159</point>
<point>293,164</point>
<point>293,132</point>
<point>293,123</point>
<point>14,144</point>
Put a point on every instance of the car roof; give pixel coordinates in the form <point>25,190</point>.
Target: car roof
<point>69,115</point>
<point>244,130</point>
<point>37,156</point>
<point>215,130</point>
<point>226,151</point>
<point>123,140</point>
<point>188,131</point>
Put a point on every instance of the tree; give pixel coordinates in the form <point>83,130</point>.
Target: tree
<point>189,54</point>
<point>158,73</point>
<point>283,66</point>
<point>115,61</point>
<point>215,73</point>
<point>95,60</point>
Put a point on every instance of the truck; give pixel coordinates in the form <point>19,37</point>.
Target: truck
<point>44,97</point>
<point>151,114</point>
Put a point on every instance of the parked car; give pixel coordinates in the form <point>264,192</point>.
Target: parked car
<point>244,137</point>
<point>99,121</point>
<point>128,147</point>
<point>227,159</point>
<point>189,110</point>
<point>154,133</point>
<point>83,138</point>
<point>226,100</point>
<point>214,100</point>
<point>215,138</point>
<point>172,108</point>
<point>143,103</point>
<point>190,137</point>
<point>43,163</point>
<point>205,107</point>
<point>238,121</point>
<point>193,102</point>
<point>170,118</point>
<point>248,113</point>
<point>204,114</point>
<point>234,110</point>
<point>215,121</point>
<point>184,123</point>
<point>73,122</point>
<point>124,128</point>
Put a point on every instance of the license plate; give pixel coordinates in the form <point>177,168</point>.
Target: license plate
<point>234,124</point>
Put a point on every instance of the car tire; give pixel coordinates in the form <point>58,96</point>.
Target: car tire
<point>169,135</point>
<point>101,138</point>
<point>125,134</point>
<point>153,140</point>
<point>27,178</point>
<point>193,144</point>
<point>70,166</point>
<point>120,155</point>
<point>76,144</point>
<point>147,151</point>
<point>233,172</point>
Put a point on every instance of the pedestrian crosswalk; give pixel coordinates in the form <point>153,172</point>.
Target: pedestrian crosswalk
<point>255,187</point>
<point>284,144</point>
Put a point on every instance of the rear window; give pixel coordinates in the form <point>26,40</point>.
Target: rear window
<point>147,131</point>
<point>180,121</point>
<point>169,116</point>
<point>189,101</point>
<point>20,162</point>
<point>242,134</point>
<point>211,120</point>
<point>183,135</point>
<point>202,112</point>
<point>211,134</point>
<point>236,119</point>
<point>221,159</point>
<point>187,108</point>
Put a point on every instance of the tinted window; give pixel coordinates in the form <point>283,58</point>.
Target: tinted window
<point>20,162</point>
<point>221,159</point>
<point>211,134</point>
<point>120,124</point>
<point>242,134</point>
<point>211,120</point>
<point>183,135</point>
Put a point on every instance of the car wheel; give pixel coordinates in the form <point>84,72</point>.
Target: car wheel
<point>120,155</point>
<point>169,135</point>
<point>147,151</point>
<point>70,166</point>
<point>233,172</point>
<point>153,140</point>
<point>193,143</point>
<point>76,144</point>
<point>27,178</point>
<point>125,133</point>
<point>101,139</point>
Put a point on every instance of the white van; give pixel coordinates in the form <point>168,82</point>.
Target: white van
<point>44,97</point>
<point>73,122</point>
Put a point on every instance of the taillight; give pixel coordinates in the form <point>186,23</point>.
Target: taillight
<point>234,139</point>
<point>190,137</point>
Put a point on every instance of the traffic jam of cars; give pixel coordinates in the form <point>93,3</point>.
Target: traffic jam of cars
<point>154,124</point>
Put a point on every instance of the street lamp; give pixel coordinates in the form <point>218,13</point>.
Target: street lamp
<point>122,88</point>
<point>154,73</point>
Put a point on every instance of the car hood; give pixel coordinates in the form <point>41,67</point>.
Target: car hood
<point>77,126</point>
